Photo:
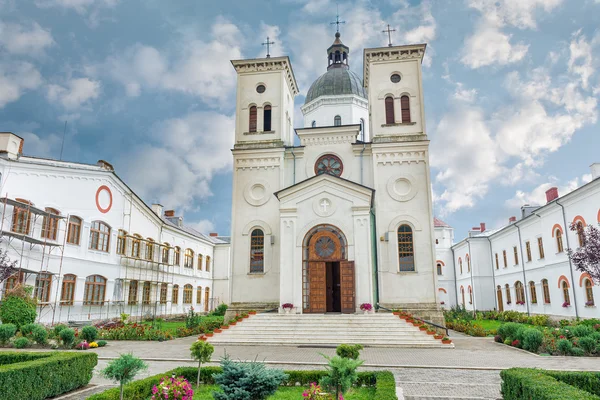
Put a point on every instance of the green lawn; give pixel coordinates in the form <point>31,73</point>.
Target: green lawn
<point>490,324</point>
<point>289,393</point>
<point>170,326</point>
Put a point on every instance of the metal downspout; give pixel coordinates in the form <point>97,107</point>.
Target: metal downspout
<point>470,266</point>
<point>525,283</point>
<point>294,155</point>
<point>570,263</point>
<point>493,274</point>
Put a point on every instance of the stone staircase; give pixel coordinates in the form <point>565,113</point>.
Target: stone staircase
<point>316,330</point>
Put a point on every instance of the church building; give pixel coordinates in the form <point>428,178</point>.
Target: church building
<point>342,215</point>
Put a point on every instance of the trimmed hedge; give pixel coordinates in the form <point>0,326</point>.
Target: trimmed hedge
<point>384,382</point>
<point>588,381</point>
<point>522,383</point>
<point>37,376</point>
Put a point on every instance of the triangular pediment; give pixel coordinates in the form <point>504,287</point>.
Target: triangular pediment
<point>333,184</point>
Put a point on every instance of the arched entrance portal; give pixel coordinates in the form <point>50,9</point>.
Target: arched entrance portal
<point>327,275</point>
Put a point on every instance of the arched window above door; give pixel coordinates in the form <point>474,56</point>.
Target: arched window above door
<point>406,257</point>
<point>257,251</point>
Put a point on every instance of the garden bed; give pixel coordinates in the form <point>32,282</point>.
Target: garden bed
<point>290,393</point>
<point>522,383</point>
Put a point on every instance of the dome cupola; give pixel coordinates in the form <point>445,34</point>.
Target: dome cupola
<point>337,54</point>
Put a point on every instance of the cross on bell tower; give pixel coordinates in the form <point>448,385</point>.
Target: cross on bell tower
<point>337,21</point>
<point>389,32</point>
<point>268,44</point>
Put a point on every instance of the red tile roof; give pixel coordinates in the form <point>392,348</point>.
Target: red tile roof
<point>438,223</point>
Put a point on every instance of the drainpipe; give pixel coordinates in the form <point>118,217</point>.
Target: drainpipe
<point>470,266</point>
<point>525,283</point>
<point>294,155</point>
<point>361,161</point>
<point>493,273</point>
<point>570,263</point>
<point>455,282</point>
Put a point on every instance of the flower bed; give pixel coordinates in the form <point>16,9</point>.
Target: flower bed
<point>521,383</point>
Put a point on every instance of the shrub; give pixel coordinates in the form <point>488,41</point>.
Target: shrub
<point>220,310</point>
<point>57,328</point>
<point>93,345</point>
<point>540,320</point>
<point>67,336</point>
<point>588,381</point>
<point>7,331</point>
<point>101,343</point>
<point>40,335</point>
<point>21,343</point>
<point>476,330</point>
<point>349,350</point>
<point>17,310</point>
<point>577,352</point>
<point>169,388</point>
<point>588,344</point>
<point>247,381</point>
<point>532,340</point>
<point>520,383</point>
<point>201,352</point>
<point>192,319</point>
<point>498,339</point>
<point>123,369</point>
<point>520,332</point>
<point>27,329</point>
<point>508,330</point>
<point>516,343</point>
<point>582,331</point>
<point>508,341</point>
<point>564,346</point>
<point>37,376</point>
<point>82,346</point>
<point>89,333</point>
<point>341,374</point>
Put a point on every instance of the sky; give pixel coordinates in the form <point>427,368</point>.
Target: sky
<point>511,90</point>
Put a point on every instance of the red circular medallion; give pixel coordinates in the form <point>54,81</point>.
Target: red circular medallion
<point>104,199</point>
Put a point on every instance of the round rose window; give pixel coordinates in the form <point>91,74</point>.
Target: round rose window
<point>324,247</point>
<point>329,164</point>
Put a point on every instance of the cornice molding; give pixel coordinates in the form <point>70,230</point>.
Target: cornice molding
<point>351,99</point>
<point>327,139</point>
<point>401,157</point>
<point>249,163</point>
<point>268,65</point>
<point>395,53</point>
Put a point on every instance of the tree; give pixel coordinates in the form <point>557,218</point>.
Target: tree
<point>7,267</point>
<point>124,369</point>
<point>201,351</point>
<point>587,257</point>
<point>341,374</point>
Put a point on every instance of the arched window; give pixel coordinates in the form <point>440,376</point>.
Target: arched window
<point>499,296</point>
<point>580,233</point>
<point>362,129</point>
<point>200,261</point>
<point>146,293</point>
<point>389,110</point>
<point>497,263</point>
<point>177,255</point>
<point>188,292</point>
<point>13,281</point>
<point>541,247</point>
<point>406,258</point>
<point>546,291</point>
<point>165,253</point>
<point>133,293</point>
<point>516,255</point>
<point>405,106</point>
<point>67,293</point>
<point>566,296</point>
<point>163,293</point>
<point>21,217</point>
<point>313,124</point>
<point>207,263</point>
<point>199,295</point>
<point>462,293</point>
<point>43,282</point>
<point>468,263</point>
<point>188,260</point>
<point>519,292</point>
<point>337,120</point>
<point>175,294</point>
<point>460,264</point>
<point>121,242</point>
<point>50,224</point>
<point>532,292</point>
<point>267,118</point>
<point>507,289</point>
<point>252,127</point>
<point>206,299</point>
<point>74,230</point>
<point>439,269</point>
<point>257,251</point>
<point>559,241</point>
<point>99,236</point>
<point>136,244</point>
<point>470,295</point>
<point>504,258</point>
<point>150,249</point>
<point>589,293</point>
<point>95,288</point>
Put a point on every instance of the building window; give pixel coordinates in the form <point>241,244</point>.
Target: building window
<point>199,295</point>
<point>528,250</point>
<point>516,255</point>
<point>21,218</point>
<point>200,261</point>
<point>267,118</point>
<point>165,253</point>
<point>207,263</point>
<point>50,224</point>
<point>504,258</point>
<point>136,245</point>
<point>177,255</point>
<point>313,124</point>
<point>468,263</point>
<point>406,258</point>
<point>497,263</point>
<point>565,289</point>
<point>252,127</point>
<point>74,230</point>
<point>337,121</point>
<point>146,293</point>
<point>460,264</point>
<point>589,293</point>
<point>99,236</point>
<point>559,241</point>
<point>13,281</point>
<point>546,291</point>
<point>520,292</point>
<point>580,234</point>
<point>439,269</point>
<point>206,299</point>
<point>67,294</point>
<point>150,249</point>
<point>188,259</point>
<point>163,293</point>
<point>541,247</point>
<point>507,289</point>
<point>462,293</point>
<point>405,106</point>
<point>188,292</point>
<point>533,292</point>
<point>499,296</point>
<point>175,294</point>
<point>95,287</point>
<point>329,164</point>
<point>121,242</point>
<point>470,295</point>
<point>133,292</point>
<point>362,129</point>
<point>257,251</point>
<point>389,110</point>
<point>43,282</point>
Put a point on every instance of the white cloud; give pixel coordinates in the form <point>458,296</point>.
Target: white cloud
<point>180,157</point>
<point>48,146</point>
<point>537,196</point>
<point>75,94</point>
<point>465,95</point>
<point>15,79</point>
<point>317,6</point>
<point>518,13</point>
<point>580,61</point>
<point>274,34</point>
<point>489,45</point>
<point>203,226</point>
<point>22,40</point>
<point>79,6</point>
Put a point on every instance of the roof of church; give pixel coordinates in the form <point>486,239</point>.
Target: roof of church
<point>336,81</point>
<point>438,223</point>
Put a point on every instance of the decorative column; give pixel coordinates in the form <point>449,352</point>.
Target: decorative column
<point>290,265</point>
<point>362,256</point>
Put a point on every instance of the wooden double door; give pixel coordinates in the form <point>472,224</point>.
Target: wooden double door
<point>331,286</point>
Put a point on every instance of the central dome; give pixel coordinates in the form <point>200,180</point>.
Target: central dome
<point>336,81</point>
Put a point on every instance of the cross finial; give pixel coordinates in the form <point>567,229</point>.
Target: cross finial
<point>268,44</point>
<point>389,32</point>
<point>337,20</point>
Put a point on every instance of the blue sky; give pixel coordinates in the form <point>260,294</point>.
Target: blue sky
<point>511,90</point>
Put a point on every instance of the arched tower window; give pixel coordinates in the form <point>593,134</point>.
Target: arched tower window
<point>519,292</point>
<point>68,290</point>
<point>405,106</point>
<point>337,120</point>
<point>267,118</point>
<point>21,217</point>
<point>362,129</point>
<point>462,293</point>
<point>313,124</point>
<point>406,257</point>
<point>580,234</point>
<point>439,269</point>
<point>257,251</point>
<point>188,292</point>
<point>175,294</point>
<point>252,122</point>
<point>389,110</point>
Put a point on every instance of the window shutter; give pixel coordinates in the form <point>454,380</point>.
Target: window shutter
<point>253,119</point>
<point>405,104</point>
<point>389,110</point>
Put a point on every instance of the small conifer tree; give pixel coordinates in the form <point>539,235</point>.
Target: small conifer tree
<point>123,370</point>
<point>201,352</point>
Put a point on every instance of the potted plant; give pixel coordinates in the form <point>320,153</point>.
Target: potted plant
<point>287,307</point>
<point>589,303</point>
<point>416,323</point>
<point>226,326</point>
<point>217,330</point>
<point>446,340</point>
<point>566,304</point>
<point>366,308</point>
<point>422,327</point>
<point>202,337</point>
<point>245,315</point>
<point>397,312</point>
<point>252,312</point>
<point>209,334</point>
<point>438,336</point>
<point>430,331</point>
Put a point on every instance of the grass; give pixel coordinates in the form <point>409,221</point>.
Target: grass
<point>289,393</point>
<point>170,326</point>
<point>492,325</point>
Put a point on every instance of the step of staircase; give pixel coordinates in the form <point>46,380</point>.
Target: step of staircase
<point>372,330</point>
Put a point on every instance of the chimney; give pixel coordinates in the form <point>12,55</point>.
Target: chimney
<point>551,194</point>
<point>512,220</point>
<point>595,167</point>
<point>105,165</point>
<point>11,145</point>
<point>482,227</point>
<point>213,234</point>
<point>170,213</point>
<point>158,209</point>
